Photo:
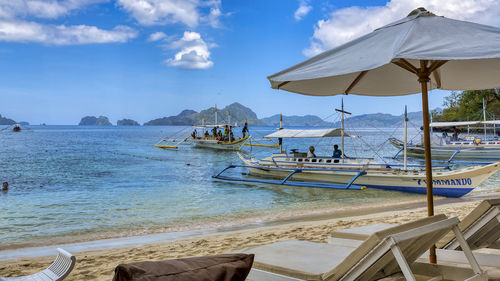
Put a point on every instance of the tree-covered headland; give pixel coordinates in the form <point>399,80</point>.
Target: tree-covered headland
<point>468,105</point>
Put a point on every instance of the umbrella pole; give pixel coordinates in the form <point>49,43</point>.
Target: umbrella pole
<point>423,78</point>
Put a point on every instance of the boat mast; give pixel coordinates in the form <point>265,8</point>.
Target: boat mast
<point>215,110</point>
<point>484,117</point>
<point>280,140</point>
<point>229,124</point>
<point>406,139</point>
<point>494,126</point>
<point>342,111</point>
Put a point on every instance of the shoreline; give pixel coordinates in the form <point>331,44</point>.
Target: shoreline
<point>139,240</point>
<point>105,240</point>
<point>98,264</point>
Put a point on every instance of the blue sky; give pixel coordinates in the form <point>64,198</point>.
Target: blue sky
<point>145,59</point>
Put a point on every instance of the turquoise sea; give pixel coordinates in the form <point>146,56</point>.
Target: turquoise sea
<point>75,183</point>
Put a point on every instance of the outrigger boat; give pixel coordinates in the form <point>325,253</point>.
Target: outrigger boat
<point>297,169</point>
<point>205,140</point>
<point>470,147</point>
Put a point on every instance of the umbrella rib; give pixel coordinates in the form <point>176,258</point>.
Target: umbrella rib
<point>282,84</point>
<point>437,79</point>
<point>360,75</point>
<point>436,64</point>
<point>406,65</point>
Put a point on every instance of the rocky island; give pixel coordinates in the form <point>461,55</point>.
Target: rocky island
<point>95,121</point>
<point>6,121</point>
<point>127,122</point>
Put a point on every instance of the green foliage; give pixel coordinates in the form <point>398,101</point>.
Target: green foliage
<point>468,105</point>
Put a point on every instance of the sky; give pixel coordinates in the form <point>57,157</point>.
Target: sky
<point>146,59</point>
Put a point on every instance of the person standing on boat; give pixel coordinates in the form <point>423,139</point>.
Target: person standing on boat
<point>226,133</point>
<point>337,153</point>
<point>311,152</point>
<point>455,133</point>
<point>245,130</point>
<point>214,131</point>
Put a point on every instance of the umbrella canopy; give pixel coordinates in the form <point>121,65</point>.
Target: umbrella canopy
<point>464,55</point>
<point>435,51</point>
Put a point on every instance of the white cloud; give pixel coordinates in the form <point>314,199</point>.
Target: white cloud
<point>157,36</point>
<point>349,23</point>
<point>160,12</point>
<point>14,28</point>
<point>47,9</point>
<point>24,31</point>
<point>302,11</point>
<point>163,12</point>
<point>193,54</point>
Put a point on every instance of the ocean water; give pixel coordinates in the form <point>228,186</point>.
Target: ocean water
<point>74,183</point>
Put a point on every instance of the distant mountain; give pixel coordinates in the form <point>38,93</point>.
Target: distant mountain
<point>95,121</point>
<point>127,122</point>
<point>6,121</point>
<point>186,117</point>
<point>308,120</point>
<point>239,114</point>
<point>380,120</point>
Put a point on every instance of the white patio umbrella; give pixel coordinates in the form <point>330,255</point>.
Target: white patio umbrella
<point>403,58</point>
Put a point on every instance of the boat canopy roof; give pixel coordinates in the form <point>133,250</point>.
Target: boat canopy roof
<point>453,124</point>
<point>308,133</point>
<point>217,126</point>
<point>462,123</point>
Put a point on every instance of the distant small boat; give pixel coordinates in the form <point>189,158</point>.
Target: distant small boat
<point>16,128</point>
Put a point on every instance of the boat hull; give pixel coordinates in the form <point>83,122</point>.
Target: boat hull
<point>215,144</point>
<point>446,183</point>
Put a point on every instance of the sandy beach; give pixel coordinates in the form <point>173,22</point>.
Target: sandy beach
<point>99,264</point>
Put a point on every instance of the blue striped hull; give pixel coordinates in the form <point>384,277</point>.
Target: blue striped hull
<point>440,191</point>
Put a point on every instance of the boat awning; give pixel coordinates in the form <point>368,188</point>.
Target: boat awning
<point>491,122</point>
<point>312,133</point>
<point>453,124</point>
<point>215,126</point>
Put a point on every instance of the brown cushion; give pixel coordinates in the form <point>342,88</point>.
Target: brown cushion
<point>226,267</point>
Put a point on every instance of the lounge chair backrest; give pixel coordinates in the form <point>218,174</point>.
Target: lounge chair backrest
<point>373,258</point>
<point>481,227</point>
<point>57,271</point>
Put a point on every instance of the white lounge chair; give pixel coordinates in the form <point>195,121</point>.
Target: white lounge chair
<point>383,254</point>
<point>481,229</point>
<point>58,270</point>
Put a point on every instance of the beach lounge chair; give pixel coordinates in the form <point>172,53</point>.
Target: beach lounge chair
<point>383,254</point>
<point>481,229</point>
<point>58,270</point>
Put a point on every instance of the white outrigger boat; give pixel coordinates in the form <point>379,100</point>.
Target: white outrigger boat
<point>469,148</point>
<point>297,169</point>
<point>205,140</point>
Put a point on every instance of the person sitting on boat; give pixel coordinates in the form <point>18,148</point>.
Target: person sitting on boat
<point>337,153</point>
<point>455,133</point>
<point>214,132</point>
<point>311,152</point>
<point>219,134</point>
<point>193,134</point>
<point>207,134</point>
<point>245,130</point>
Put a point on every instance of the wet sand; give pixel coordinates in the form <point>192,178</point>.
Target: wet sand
<point>99,264</point>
